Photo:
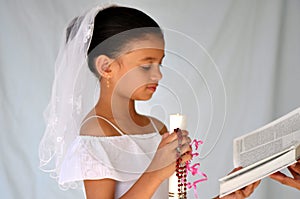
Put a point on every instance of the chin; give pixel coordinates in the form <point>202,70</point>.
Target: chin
<point>142,98</point>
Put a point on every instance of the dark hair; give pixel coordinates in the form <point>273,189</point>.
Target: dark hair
<point>118,21</point>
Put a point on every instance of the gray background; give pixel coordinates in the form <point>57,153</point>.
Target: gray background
<point>255,44</point>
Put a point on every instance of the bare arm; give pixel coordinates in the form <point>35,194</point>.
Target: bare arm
<point>144,187</point>
<point>100,189</point>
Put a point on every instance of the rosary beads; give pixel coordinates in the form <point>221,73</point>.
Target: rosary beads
<point>181,171</point>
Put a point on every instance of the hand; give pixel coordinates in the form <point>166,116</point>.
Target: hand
<point>289,181</point>
<point>164,161</point>
<point>244,192</point>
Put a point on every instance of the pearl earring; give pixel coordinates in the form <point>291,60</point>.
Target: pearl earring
<point>107,81</point>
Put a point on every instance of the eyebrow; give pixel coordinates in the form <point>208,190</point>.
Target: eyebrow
<point>151,58</point>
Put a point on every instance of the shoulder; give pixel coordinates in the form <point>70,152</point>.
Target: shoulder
<point>159,125</point>
<point>90,127</point>
<point>94,126</point>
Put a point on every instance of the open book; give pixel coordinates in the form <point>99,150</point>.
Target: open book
<point>263,152</point>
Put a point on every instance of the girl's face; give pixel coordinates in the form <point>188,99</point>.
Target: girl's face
<point>138,72</point>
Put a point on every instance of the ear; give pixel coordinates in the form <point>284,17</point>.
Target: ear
<point>102,64</point>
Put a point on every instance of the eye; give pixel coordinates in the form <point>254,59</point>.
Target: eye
<point>148,66</point>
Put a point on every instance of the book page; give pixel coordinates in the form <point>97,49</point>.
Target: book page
<point>268,140</point>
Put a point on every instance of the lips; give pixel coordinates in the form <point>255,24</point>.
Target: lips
<point>152,87</point>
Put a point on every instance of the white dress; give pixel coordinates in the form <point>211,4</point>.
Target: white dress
<point>122,158</point>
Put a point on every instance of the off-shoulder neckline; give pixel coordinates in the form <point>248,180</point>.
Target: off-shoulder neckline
<point>117,129</point>
<point>146,135</point>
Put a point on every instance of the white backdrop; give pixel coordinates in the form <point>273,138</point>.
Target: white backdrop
<point>255,45</point>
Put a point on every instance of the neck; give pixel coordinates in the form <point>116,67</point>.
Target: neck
<point>115,107</point>
<point>121,111</point>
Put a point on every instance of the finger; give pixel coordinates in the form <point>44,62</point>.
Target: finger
<point>277,176</point>
<point>185,140</point>
<point>186,157</point>
<point>295,168</point>
<point>164,140</point>
<point>294,173</point>
<point>256,184</point>
<point>283,179</point>
<point>236,169</point>
<point>247,191</point>
<point>238,194</point>
<point>291,182</point>
<point>170,138</point>
<point>165,135</point>
<point>185,149</point>
<point>184,132</point>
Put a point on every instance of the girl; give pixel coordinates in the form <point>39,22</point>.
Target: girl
<point>106,143</point>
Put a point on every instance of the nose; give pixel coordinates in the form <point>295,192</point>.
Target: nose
<point>156,74</point>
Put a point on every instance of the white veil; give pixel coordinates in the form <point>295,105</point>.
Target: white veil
<point>72,81</point>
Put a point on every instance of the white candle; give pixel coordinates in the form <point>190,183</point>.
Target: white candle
<point>176,121</point>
